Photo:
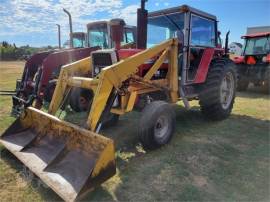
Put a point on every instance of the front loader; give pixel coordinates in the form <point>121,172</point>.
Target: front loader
<point>183,62</point>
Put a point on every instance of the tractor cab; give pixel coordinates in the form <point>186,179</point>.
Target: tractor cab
<point>79,39</point>
<point>257,45</point>
<point>196,32</point>
<point>99,34</point>
<point>253,65</point>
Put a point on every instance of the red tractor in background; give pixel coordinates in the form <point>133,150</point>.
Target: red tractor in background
<point>79,39</point>
<point>42,69</point>
<point>254,64</point>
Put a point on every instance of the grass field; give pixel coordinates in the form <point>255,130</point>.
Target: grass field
<point>205,161</point>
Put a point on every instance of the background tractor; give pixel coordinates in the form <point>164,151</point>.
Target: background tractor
<point>79,39</point>
<point>183,61</point>
<point>254,64</point>
<point>42,69</point>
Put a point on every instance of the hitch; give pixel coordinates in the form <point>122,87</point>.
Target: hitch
<point>19,105</point>
<point>7,92</point>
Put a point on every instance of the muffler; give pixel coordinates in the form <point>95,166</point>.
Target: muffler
<point>69,159</point>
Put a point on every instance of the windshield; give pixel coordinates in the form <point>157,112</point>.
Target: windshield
<point>257,46</point>
<point>98,36</point>
<point>78,42</point>
<point>163,27</point>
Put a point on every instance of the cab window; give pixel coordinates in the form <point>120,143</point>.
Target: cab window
<point>98,36</point>
<point>202,32</point>
<point>128,36</point>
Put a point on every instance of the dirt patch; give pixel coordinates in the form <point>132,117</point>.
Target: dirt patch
<point>199,181</point>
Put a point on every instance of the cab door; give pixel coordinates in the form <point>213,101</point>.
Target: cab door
<point>202,41</point>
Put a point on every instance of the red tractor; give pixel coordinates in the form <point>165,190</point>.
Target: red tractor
<point>205,72</point>
<point>79,39</point>
<point>42,69</point>
<point>254,64</point>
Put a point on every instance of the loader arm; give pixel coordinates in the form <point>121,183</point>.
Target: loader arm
<point>113,76</point>
<point>79,67</point>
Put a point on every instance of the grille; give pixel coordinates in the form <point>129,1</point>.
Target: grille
<point>101,59</point>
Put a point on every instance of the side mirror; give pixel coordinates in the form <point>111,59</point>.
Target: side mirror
<point>117,31</point>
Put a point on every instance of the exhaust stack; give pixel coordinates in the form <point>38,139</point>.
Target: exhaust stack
<point>70,28</point>
<point>142,15</point>
<point>117,32</point>
<point>59,35</point>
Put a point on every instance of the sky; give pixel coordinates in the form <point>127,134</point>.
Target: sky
<point>32,22</point>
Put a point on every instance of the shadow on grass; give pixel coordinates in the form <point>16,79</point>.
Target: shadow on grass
<point>254,92</point>
<point>36,184</point>
<point>205,161</point>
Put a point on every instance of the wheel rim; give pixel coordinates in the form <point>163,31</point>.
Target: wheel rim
<point>227,90</point>
<point>161,128</point>
<point>83,102</point>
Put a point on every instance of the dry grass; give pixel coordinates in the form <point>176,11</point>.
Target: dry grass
<point>205,161</point>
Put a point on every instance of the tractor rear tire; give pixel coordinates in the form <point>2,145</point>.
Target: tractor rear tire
<point>217,97</point>
<point>156,125</point>
<point>80,99</point>
<point>266,83</point>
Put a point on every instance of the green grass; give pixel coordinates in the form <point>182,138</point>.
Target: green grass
<point>205,161</point>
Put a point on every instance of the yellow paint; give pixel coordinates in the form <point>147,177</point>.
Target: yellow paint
<point>156,66</point>
<point>80,67</point>
<point>131,101</point>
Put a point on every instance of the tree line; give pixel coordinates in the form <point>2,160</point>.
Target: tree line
<point>12,52</point>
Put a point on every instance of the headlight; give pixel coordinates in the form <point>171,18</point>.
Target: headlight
<point>97,70</point>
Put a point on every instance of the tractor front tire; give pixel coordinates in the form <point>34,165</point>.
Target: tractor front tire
<point>156,125</point>
<point>80,99</point>
<point>217,96</point>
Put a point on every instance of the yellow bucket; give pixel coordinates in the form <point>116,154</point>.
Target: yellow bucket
<point>69,159</point>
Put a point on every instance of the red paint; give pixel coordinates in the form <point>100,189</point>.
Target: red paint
<point>251,60</point>
<point>143,69</point>
<point>261,34</point>
<point>239,59</point>
<point>207,56</point>
<point>125,53</point>
<point>58,59</point>
<point>36,59</point>
<point>266,58</point>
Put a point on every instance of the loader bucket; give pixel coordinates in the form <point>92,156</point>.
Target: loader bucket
<point>69,159</point>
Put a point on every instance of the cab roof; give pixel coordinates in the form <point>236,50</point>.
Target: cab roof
<point>79,33</point>
<point>259,34</point>
<point>97,23</point>
<point>102,22</point>
<point>182,9</point>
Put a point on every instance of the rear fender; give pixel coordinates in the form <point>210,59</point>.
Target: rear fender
<point>202,71</point>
